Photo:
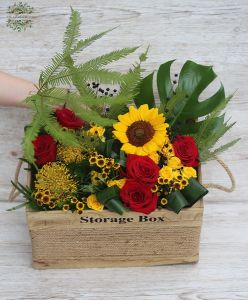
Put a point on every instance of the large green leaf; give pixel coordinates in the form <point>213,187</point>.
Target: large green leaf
<point>193,80</point>
<point>145,95</point>
<point>182,105</point>
<point>165,87</point>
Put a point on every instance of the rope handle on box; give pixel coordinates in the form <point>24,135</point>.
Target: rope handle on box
<point>221,187</point>
<point>14,193</point>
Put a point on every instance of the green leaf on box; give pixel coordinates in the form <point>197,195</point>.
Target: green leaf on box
<point>194,191</point>
<point>177,201</point>
<point>110,197</point>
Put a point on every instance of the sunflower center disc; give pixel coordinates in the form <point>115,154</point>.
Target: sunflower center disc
<point>140,133</point>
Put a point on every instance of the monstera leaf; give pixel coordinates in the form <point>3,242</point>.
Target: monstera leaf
<point>194,78</point>
<point>182,106</point>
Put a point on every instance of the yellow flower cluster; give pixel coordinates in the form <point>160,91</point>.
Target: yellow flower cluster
<point>120,183</point>
<point>56,178</point>
<point>168,150</point>
<point>72,203</point>
<point>94,204</point>
<point>97,130</point>
<point>69,154</point>
<point>80,207</point>
<point>105,164</point>
<point>175,174</point>
<point>43,197</point>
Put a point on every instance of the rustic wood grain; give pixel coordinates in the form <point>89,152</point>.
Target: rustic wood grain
<point>212,32</point>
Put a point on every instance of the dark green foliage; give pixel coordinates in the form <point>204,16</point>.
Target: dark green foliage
<point>80,171</point>
<point>164,84</point>
<point>28,195</point>
<point>110,198</point>
<point>210,130</point>
<point>183,109</point>
<point>187,197</point>
<point>146,95</point>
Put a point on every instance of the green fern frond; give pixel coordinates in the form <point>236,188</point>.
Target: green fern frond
<point>99,75</point>
<point>102,75</point>
<point>63,71</point>
<point>63,77</point>
<point>31,133</point>
<point>63,136</point>
<point>218,134</point>
<point>108,58</point>
<point>131,81</point>
<point>72,31</point>
<point>89,115</point>
<point>82,44</point>
<point>128,91</point>
<point>55,96</point>
<point>59,60</point>
<point>211,130</point>
<point>206,154</point>
<point>60,96</point>
<point>226,146</point>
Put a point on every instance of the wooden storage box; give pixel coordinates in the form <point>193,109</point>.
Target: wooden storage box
<point>106,239</point>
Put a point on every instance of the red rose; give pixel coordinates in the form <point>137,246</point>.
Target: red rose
<point>185,148</point>
<point>138,197</point>
<point>68,119</point>
<point>143,169</point>
<point>44,149</point>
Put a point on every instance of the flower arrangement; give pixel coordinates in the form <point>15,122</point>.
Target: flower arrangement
<point>115,147</point>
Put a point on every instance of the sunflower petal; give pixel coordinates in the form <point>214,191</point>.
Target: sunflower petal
<point>128,148</point>
<point>144,112</point>
<point>159,138</point>
<point>119,126</point>
<point>125,119</point>
<point>150,147</point>
<point>140,151</point>
<point>153,114</point>
<point>157,121</point>
<point>160,127</point>
<point>121,136</point>
<point>134,114</point>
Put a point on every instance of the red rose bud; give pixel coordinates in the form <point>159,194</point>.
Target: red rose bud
<point>44,149</point>
<point>143,169</point>
<point>185,148</point>
<point>138,197</point>
<point>68,119</point>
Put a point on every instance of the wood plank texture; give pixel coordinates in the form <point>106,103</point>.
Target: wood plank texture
<point>211,32</point>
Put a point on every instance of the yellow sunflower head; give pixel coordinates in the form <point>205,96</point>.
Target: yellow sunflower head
<point>142,131</point>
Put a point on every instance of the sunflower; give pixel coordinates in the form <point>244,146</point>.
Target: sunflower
<point>142,131</point>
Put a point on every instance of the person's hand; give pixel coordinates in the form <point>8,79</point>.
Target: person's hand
<point>14,90</point>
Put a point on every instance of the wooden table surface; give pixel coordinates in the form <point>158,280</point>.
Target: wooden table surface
<point>210,32</point>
